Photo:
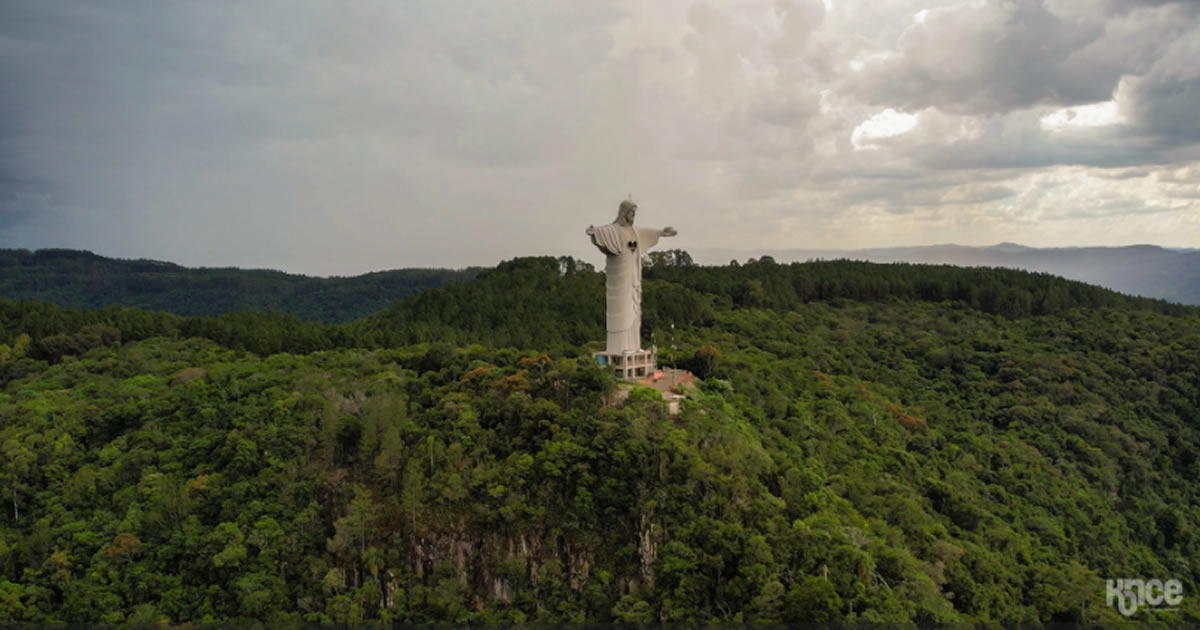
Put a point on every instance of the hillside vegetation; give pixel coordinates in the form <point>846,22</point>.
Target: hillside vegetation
<point>81,279</point>
<point>1146,270</point>
<point>870,443</point>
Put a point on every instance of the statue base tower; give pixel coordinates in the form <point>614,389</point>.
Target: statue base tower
<point>631,365</point>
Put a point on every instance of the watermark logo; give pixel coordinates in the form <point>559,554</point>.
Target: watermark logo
<point>1129,594</point>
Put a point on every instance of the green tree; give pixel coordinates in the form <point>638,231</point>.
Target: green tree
<point>813,600</point>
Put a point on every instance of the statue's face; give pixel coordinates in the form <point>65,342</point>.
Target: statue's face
<point>627,211</point>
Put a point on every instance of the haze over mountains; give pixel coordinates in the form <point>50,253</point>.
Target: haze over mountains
<point>1145,270</point>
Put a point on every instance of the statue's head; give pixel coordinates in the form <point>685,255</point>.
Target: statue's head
<point>626,212</point>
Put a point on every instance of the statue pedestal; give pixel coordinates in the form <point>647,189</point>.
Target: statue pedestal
<point>631,365</point>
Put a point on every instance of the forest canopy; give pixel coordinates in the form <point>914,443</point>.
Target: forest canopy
<point>869,443</point>
<point>81,279</point>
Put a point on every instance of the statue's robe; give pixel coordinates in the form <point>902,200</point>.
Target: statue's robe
<point>623,247</point>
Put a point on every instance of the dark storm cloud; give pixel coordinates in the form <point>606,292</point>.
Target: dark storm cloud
<point>13,208</point>
<point>284,131</point>
<point>998,56</point>
<point>1025,145</point>
<point>988,60</point>
<point>337,137</point>
<point>1164,101</point>
<point>1125,6</point>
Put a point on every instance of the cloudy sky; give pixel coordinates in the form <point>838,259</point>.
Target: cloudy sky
<point>335,137</point>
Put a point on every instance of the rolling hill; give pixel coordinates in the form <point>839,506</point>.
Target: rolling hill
<point>1145,270</point>
<point>74,278</point>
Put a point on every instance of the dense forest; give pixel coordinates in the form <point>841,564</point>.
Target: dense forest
<point>1145,270</point>
<point>868,443</point>
<point>81,279</point>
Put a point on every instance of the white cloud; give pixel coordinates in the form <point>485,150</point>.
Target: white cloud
<point>885,124</point>
<point>1093,115</point>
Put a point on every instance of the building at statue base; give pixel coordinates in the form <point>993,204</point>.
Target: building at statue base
<point>631,365</point>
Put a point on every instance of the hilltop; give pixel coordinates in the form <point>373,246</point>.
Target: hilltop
<point>900,443</point>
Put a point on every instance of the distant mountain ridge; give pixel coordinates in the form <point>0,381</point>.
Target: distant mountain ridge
<point>82,279</point>
<point>1145,270</point>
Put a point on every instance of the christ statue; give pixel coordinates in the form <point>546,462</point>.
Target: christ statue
<point>623,246</point>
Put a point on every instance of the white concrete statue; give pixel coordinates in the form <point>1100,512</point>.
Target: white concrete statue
<point>623,246</point>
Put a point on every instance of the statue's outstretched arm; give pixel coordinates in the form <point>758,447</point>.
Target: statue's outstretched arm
<point>591,230</point>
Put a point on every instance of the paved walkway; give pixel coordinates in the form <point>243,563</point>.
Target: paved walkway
<point>670,378</point>
<point>663,386</point>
